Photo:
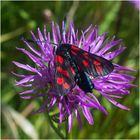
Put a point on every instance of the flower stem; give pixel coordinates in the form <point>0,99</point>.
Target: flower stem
<point>54,128</point>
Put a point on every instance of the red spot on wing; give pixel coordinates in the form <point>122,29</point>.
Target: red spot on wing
<point>60,80</point>
<point>99,69</point>
<point>74,53</point>
<point>59,59</point>
<point>96,62</point>
<point>64,72</point>
<point>72,70</point>
<point>85,55</point>
<point>75,48</point>
<point>59,69</point>
<point>66,85</point>
<point>85,63</point>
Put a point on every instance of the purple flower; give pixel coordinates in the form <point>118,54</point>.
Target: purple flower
<point>39,81</point>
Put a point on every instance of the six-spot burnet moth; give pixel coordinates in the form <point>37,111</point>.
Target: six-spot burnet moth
<point>75,66</point>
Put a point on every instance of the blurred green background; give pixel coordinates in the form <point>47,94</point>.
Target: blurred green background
<point>18,18</point>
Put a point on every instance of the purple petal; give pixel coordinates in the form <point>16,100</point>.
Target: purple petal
<point>72,36</point>
<point>87,115</point>
<point>18,75</point>
<point>85,103</point>
<point>82,39</point>
<point>32,49</point>
<point>99,43</point>
<point>36,60</point>
<point>109,95</point>
<point>53,101</point>
<point>89,29</point>
<point>58,31</point>
<point>112,55</point>
<point>26,92</point>
<point>93,35</point>
<point>99,105</point>
<point>64,32</point>
<point>40,43</point>
<point>55,40</point>
<point>76,38</point>
<point>61,114</point>
<point>109,46</point>
<point>26,85</point>
<point>119,68</point>
<point>40,35</point>
<point>26,97</point>
<point>78,118</point>
<point>25,80</point>
<point>70,120</point>
<point>116,103</point>
<point>72,29</point>
<point>26,67</point>
<point>120,77</point>
<point>66,106</point>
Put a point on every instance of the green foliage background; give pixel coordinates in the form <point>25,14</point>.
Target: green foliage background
<point>18,18</point>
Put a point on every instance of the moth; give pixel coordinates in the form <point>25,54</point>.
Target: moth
<point>75,66</point>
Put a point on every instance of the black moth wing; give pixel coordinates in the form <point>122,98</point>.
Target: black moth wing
<point>64,76</point>
<point>92,64</point>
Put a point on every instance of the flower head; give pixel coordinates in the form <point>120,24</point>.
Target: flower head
<point>39,81</point>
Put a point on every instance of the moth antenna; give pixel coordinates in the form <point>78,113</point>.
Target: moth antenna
<point>21,38</point>
<point>32,41</point>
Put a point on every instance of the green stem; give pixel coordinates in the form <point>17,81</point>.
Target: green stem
<point>54,128</point>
